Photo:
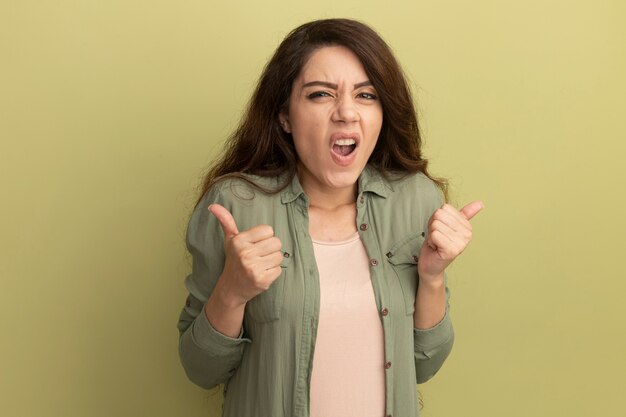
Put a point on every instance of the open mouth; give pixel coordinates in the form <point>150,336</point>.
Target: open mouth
<point>344,147</point>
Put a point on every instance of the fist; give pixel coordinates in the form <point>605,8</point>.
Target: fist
<point>252,261</point>
<point>449,233</point>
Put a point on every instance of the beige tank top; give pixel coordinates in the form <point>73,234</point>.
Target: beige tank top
<point>348,377</point>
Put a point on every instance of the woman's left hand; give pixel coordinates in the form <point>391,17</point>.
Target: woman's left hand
<point>449,232</point>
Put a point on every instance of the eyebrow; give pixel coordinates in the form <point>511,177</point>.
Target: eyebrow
<point>334,86</point>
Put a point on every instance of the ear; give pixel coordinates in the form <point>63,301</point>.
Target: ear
<point>284,122</point>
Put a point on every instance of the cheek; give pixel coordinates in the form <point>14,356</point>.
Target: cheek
<point>373,119</point>
<point>308,122</point>
<point>374,127</point>
<point>307,147</point>
<point>308,133</point>
<point>377,119</point>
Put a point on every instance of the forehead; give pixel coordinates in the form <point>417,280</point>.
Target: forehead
<point>332,63</point>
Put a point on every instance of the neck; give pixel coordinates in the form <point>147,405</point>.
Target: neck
<point>328,198</point>
<point>331,199</point>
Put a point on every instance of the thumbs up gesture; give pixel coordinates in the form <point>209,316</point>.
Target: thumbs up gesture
<point>449,233</point>
<point>253,258</point>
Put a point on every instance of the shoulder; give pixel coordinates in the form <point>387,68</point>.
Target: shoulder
<point>412,199</point>
<point>248,199</point>
<point>415,186</point>
<point>242,189</point>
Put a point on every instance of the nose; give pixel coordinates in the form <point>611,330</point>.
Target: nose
<point>345,111</point>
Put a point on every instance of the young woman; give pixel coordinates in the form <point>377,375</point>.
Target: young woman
<point>320,241</point>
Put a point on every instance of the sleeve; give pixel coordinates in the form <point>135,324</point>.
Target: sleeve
<point>432,346</point>
<point>208,357</point>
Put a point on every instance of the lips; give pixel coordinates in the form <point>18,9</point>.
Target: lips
<point>343,146</point>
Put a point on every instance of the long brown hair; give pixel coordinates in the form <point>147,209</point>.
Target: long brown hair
<point>259,145</point>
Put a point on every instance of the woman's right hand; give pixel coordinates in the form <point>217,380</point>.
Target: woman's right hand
<point>253,259</point>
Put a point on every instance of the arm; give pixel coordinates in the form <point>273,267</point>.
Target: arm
<point>449,233</point>
<point>208,356</point>
<point>229,269</point>
<point>433,334</point>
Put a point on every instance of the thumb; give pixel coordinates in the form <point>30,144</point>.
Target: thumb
<point>472,209</point>
<point>226,220</point>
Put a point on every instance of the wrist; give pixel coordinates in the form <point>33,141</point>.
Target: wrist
<point>225,298</point>
<point>434,282</point>
<point>224,313</point>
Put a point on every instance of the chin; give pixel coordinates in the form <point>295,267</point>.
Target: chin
<point>344,179</point>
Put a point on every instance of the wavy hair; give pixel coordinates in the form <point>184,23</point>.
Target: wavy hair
<point>259,146</point>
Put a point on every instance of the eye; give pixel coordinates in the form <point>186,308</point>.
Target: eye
<point>368,96</point>
<point>318,94</point>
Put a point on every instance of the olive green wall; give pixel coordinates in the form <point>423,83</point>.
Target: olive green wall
<point>109,111</point>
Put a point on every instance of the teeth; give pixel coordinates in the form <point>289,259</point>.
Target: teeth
<point>344,142</point>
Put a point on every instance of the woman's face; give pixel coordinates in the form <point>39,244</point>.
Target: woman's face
<point>334,118</point>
